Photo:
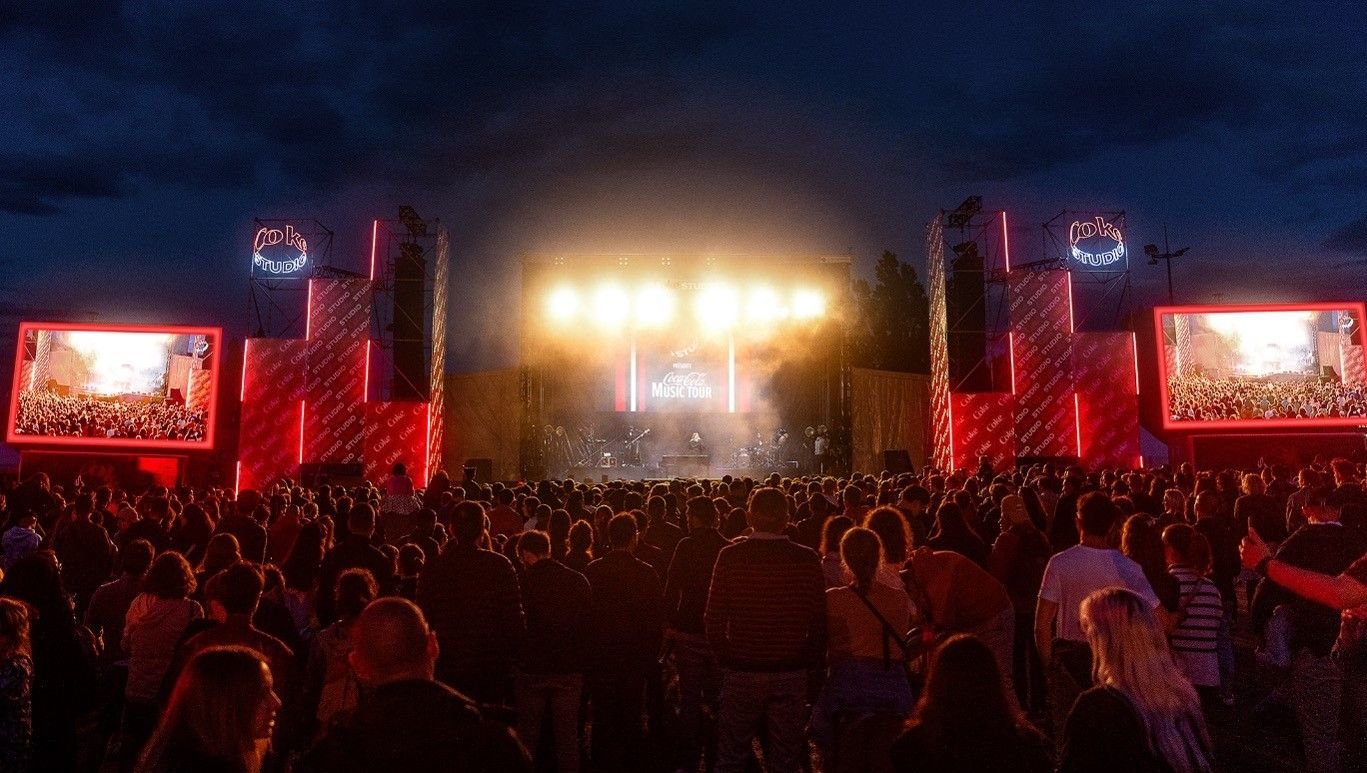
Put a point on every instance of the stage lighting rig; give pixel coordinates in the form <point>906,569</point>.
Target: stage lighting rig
<point>963,214</point>
<point>562,304</point>
<point>611,306</point>
<point>654,306</point>
<point>808,304</point>
<point>717,307</point>
<point>1166,256</point>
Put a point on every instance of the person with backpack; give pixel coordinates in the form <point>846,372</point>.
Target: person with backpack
<point>867,650</point>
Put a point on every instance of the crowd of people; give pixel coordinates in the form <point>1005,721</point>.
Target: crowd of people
<point>1201,398</point>
<point>49,414</point>
<point>1044,618</point>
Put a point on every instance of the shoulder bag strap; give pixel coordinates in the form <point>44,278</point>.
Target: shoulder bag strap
<point>888,631</point>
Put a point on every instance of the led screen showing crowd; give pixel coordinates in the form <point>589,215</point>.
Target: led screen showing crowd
<point>1275,365</point>
<point>122,386</point>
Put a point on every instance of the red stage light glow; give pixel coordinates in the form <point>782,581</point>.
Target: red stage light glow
<point>301,431</point>
<point>1006,244</point>
<point>950,409</point>
<point>213,337</point>
<point>1160,312</point>
<point>1134,349</point>
<point>1011,357</point>
<point>237,479</point>
<point>1077,423</point>
<point>374,241</point>
<point>308,313</point>
<point>242,395</point>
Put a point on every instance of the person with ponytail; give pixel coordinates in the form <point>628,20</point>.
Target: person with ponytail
<point>1143,714</point>
<point>866,623</point>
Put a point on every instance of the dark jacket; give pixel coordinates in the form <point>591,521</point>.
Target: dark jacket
<point>251,536</point>
<point>918,750</point>
<point>415,726</point>
<point>1224,554</point>
<point>473,602</point>
<point>766,610</point>
<point>690,577</point>
<point>627,621</point>
<point>665,536</point>
<point>558,603</point>
<point>87,556</point>
<point>1262,513</point>
<point>1105,733</point>
<point>352,551</point>
<point>1327,548</point>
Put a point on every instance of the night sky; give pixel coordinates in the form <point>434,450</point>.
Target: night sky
<point>138,141</point>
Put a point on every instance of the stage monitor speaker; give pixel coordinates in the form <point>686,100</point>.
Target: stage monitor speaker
<point>482,470</point>
<point>410,377</point>
<point>897,461</point>
<point>314,474</point>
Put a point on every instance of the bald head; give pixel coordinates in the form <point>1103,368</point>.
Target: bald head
<point>391,641</point>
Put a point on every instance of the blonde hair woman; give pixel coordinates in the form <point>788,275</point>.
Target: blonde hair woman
<point>1142,713</point>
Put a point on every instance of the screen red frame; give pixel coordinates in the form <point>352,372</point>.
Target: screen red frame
<point>184,445</point>
<point>1253,425</point>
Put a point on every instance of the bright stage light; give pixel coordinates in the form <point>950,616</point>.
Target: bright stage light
<point>654,306</point>
<point>115,362</point>
<point>808,304</point>
<point>717,307</point>
<point>611,305</point>
<point>562,303</point>
<point>765,305</point>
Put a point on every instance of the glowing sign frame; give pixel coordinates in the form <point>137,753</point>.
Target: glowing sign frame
<point>1250,425</point>
<point>127,444</point>
<point>1098,226</point>
<point>267,236</point>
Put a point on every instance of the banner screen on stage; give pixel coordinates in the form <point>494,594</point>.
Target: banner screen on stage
<point>1262,366</point>
<point>115,385</point>
<point>700,376</point>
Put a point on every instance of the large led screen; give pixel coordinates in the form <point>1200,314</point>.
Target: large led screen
<point>115,385</point>
<point>1250,367</point>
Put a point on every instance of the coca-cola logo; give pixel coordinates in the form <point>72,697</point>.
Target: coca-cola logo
<point>695,378</point>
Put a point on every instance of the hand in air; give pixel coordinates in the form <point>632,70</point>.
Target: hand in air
<point>1253,550</point>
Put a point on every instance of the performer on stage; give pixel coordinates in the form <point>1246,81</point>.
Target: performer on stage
<point>821,445</point>
<point>696,445</point>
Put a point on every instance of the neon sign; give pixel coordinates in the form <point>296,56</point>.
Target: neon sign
<point>292,262</point>
<point>1096,233</point>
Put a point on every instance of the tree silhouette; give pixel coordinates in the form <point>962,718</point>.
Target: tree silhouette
<point>892,327</point>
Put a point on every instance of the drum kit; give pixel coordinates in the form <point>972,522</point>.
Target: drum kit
<point>762,454</point>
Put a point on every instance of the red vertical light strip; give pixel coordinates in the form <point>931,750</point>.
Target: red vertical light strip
<point>427,449</point>
<point>301,431</point>
<point>1071,327</point>
<point>1006,242</point>
<point>243,395</point>
<point>374,240</point>
<point>951,431</point>
<point>1077,424</point>
<point>1011,357</point>
<point>1134,350</point>
<point>237,479</point>
<point>308,313</point>
<point>365,390</point>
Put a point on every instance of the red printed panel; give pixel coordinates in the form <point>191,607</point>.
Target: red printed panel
<point>1041,361</point>
<point>272,388</point>
<point>1107,398</point>
<point>339,326</point>
<point>396,433</point>
<point>983,425</point>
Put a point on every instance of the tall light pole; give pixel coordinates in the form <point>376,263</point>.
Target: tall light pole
<point>1166,256</point>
